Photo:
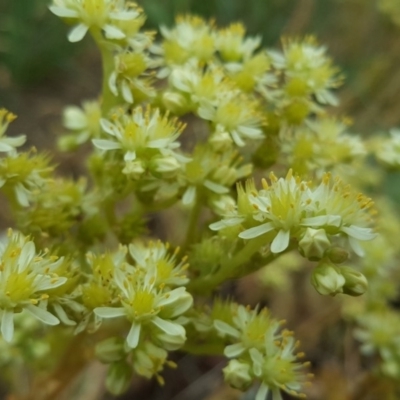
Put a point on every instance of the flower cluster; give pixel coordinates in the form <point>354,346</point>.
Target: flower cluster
<point>147,141</point>
<point>8,144</point>
<point>261,351</point>
<point>378,333</point>
<point>108,16</point>
<point>290,209</point>
<point>25,279</point>
<point>178,125</point>
<point>321,145</point>
<point>150,296</point>
<point>387,151</point>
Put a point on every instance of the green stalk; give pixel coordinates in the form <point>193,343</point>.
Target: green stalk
<point>243,263</point>
<point>192,229</point>
<point>109,100</point>
<point>229,268</point>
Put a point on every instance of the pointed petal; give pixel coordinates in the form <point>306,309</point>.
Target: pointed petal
<point>169,327</point>
<point>7,325</point>
<point>281,241</point>
<point>234,350</point>
<point>189,195</point>
<point>112,32</point>
<point>104,144</point>
<point>224,223</point>
<point>110,312</point>
<point>63,12</point>
<point>225,328</point>
<point>133,335</point>
<point>237,139</point>
<point>262,392</point>
<point>359,233</point>
<point>22,195</point>
<point>108,127</point>
<point>355,245</point>
<point>126,92</point>
<point>74,118</point>
<point>120,280</point>
<point>215,187</point>
<point>45,282</point>
<point>62,315</point>
<point>138,253</point>
<point>130,156</point>
<point>77,33</point>
<point>112,83</point>
<point>256,231</point>
<point>26,256</point>
<point>42,315</point>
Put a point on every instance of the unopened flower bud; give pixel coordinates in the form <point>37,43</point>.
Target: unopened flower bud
<point>220,140</point>
<point>314,243</point>
<point>327,279</point>
<point>225,175</point>
<point>134,169</point>
<point>223,204</point>
<point>110,350</point>
<point>119,377</point>
<point>356,283</point>
<point>237,375</point>
<point>174,102</point>
<point>67,143</point>
<point>337,255</point>
<point>167,166</point>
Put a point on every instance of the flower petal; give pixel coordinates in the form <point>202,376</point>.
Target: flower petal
<point>133,335</point>
<point>63,12</point>
<point>110,312</point>
<point>215,187</point>
<point>281,241</point>
<point>225,328</point>
<point>256,231</point>
<point>42,315</point>
<point>262,392</point>
<point>169,327</point>
<point>112,32</point>
<point>62,315</point>
<point>234,350</point>
<point>104,144</point>
<point>26,256</point>
<point>358,232</point>
<point>7,325</point>
<point>126,92</point>
<point>77,33</point>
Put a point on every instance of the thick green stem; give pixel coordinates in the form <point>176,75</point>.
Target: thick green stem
<point>230,267</point>
<point>192,229</point>
<point>244,262</point>
<point>109,100</point>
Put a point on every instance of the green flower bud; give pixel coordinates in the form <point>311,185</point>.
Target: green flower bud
<point>327,279</point>
<point>237,375</point>
<point>356,283</point>
<point>220,141</point>
<point>175,102</point>
<point>118,378</point>
<point>67,143</point>
<point>168,166</point>
<point>134,169</point>
<point>110,350</point>
<point>337,255</point>
<point>313,244</point>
